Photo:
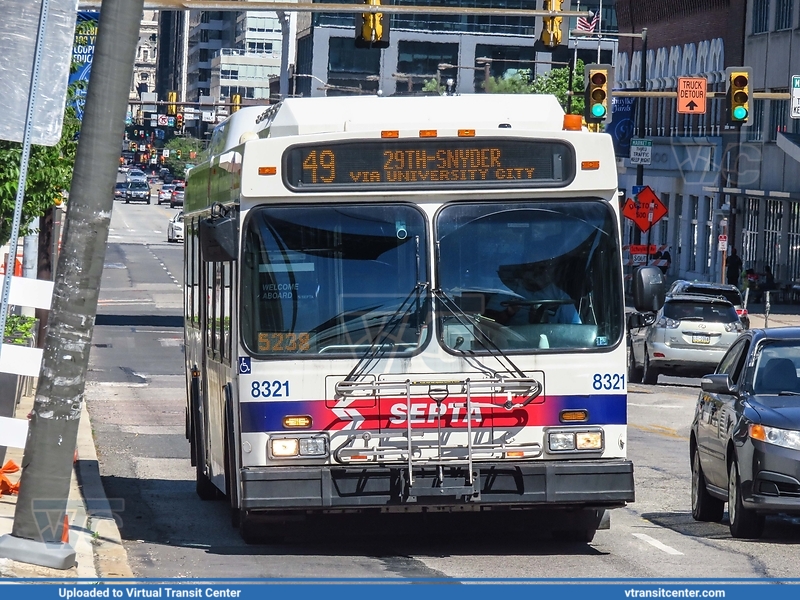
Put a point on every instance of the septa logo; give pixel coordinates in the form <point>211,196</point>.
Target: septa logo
<point>451,413</point>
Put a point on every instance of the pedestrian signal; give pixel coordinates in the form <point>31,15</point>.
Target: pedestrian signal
<point>599,82</point>
<point>372,29</point>
<point>737,96</point>
<point>551,26</point>
<point>178,153</point>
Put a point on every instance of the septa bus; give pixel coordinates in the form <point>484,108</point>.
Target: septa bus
<point>407,304</point>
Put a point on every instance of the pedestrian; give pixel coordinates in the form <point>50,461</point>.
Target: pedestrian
<point>667,258</point>
<point>733,268</point>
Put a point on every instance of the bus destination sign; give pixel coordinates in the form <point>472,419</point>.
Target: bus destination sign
<point>428,164</point>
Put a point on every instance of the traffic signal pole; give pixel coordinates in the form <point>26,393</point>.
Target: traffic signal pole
<point>49,451</point>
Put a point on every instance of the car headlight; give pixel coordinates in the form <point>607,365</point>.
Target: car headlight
<point>786,438</point>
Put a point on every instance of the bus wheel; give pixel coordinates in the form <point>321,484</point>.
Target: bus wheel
<point>204,487</point>
<point>583,526</point>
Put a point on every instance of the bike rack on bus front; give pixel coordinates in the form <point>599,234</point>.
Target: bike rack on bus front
<point>438,390</point>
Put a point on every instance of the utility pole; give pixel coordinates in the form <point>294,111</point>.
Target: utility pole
<point>47,463</point>
<point>637,235</point>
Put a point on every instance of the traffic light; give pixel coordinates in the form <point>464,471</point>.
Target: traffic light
<point>372,31</point>
<point>179,122</point>
<point>172,107</point>
<point>737,99</point>
<point>599,83</point>
<point>551,26</point>
<point>236,102</point>
<point>178,153</point>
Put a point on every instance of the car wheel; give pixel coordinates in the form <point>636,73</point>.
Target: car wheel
<point>650,373</point>
<point>148,201</point>
<point>744,523</point>
<point>127,201</point>
<point>704,506</point>
<point>634,372</point>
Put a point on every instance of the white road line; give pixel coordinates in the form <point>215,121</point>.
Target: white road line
<point>654,542</point>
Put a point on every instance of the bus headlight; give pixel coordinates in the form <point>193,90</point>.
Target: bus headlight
<point>564,441</point>
<point>290,447</point>
<point>560,441</point>
<point>316,446</point>
<point>283,447</point>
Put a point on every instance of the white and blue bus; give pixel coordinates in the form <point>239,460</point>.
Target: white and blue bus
<point>407,304</point>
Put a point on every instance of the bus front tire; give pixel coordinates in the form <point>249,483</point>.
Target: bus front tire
<point>204,487</point>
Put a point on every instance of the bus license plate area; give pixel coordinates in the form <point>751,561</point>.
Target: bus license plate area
<point>701,338</point>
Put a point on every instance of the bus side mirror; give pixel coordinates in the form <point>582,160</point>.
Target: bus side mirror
<point>649,289</point>
<point>219,235</point>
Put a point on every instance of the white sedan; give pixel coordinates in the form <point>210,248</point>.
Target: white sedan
<point>175,228</point>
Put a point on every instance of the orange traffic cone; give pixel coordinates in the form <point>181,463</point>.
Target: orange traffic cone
<point>65,531</point>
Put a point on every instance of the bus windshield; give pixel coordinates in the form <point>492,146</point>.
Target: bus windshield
<point>530,275</point>
<point>334,280</point>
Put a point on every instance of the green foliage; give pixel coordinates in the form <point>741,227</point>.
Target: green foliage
<point>49,168</point>
<point>555,82</point>
<point>186,145</point>
<point>19,329</point>
<point>432,86</point>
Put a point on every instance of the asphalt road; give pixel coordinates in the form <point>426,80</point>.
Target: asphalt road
<point>135,395</point>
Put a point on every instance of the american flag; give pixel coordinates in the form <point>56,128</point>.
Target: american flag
<point>585,24</point>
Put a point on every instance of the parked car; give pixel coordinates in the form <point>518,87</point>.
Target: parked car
<point>175,228</point>
<point>744,444</point>
<point>686,337</point>
<point>730,292</point>
<point>177,196</point>
<point>165,193</point>
<point>135,175</point>
<point>119,190</point>
<point>137,190</point>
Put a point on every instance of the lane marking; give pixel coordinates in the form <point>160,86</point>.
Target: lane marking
<point>655,543</point>
<point>665,431</point>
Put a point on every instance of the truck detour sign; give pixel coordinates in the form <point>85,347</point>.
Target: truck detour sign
<point>692,95</point>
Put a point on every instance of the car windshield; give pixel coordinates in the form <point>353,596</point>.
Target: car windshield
<point>120,185</point>
<point>775,368</point>
<point>732,296</point>
<point>532,275</point>
<point>709,312</point>
<point>334,280</point>
<point>138,185</point>
<point>136,174</point>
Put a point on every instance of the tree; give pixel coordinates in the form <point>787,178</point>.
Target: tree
<point>554,82</point>
<point>190,149</point>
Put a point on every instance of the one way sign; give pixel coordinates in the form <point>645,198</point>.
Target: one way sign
<point>692,95</point>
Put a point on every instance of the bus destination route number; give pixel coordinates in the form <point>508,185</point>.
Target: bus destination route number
<point>428,164</point>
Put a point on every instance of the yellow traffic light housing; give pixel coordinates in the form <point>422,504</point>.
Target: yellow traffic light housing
<point>172,107</point>
<point>372,29</point>
<point>179,122</point>
<point>599,81</point>
<point>737,97</point>
<point>551,26</point>
<point>236,102</point>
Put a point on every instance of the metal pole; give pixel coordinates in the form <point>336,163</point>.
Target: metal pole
<point>23,171</point>
<point>50,447</point>
<point>640,119</point>
<point>284,18</point>
<point>599,29</point>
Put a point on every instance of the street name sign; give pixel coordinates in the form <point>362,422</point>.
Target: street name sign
<point>641,151</point>
<point>795,111</point>
<point>692,95</point>
<point>646,210</point>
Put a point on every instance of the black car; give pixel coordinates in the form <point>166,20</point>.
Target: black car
<point>137,190</point>
<point>744,445</point>
<point>119,190</point>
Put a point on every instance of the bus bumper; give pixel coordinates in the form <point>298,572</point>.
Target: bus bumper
<point>597,484</point>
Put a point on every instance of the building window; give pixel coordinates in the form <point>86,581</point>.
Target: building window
<point>663,224</point>
<point>349,67</point>
<point>750,233</point>
<point>760,16</point>
<point>710,248</point>
<point>693,201</point>
<point>778,116</point>
<point>794,241</point>
<point>772,233</point>
<point>755,133</point>
<point>783,14</point>
<point>422,60</point>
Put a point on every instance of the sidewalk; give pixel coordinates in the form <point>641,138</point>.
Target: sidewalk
<point>93,533</point>
<point>780,315</point>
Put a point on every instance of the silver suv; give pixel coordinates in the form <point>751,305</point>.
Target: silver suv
<point>706,288</point>
<point>688,336</point>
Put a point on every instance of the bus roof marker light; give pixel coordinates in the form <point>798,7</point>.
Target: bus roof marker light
<point>572,123</point>
<point>466,133</point>
<point>428,133</point>
<point>267,170</point>
<point>390,134</point>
